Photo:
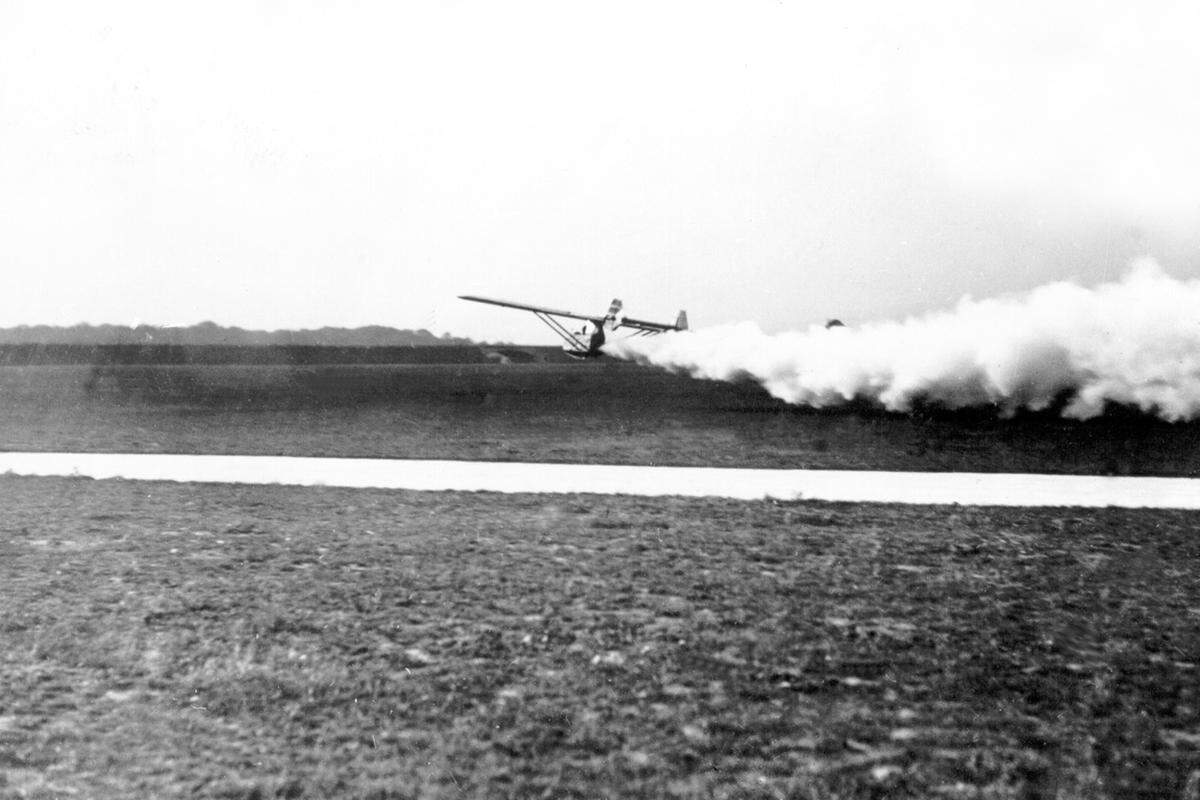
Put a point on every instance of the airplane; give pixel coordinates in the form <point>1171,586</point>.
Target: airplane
<point>586,342</point>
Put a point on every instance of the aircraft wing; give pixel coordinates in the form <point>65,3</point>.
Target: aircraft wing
<point>534,309</point>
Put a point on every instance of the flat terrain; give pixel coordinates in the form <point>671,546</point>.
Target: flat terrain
<point>596,412</point>
<point>165,640</point>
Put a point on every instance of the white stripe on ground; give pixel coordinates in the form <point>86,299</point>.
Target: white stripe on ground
<point>966,488</point>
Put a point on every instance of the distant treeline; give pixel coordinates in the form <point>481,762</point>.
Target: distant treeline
<point>211,334</point>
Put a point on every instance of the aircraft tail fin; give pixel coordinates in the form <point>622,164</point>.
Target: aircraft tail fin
<point>681,321</point>
<point>614,308</point>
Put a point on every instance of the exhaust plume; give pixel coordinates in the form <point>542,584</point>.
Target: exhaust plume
<point>1135,342</point>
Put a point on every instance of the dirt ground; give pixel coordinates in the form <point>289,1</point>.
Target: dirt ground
<point>164,640</point>
<point>606,413</point>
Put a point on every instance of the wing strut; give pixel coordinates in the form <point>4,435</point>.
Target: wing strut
<point>560,329</point>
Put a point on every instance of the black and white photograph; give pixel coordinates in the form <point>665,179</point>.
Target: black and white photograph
<point>714,401</point>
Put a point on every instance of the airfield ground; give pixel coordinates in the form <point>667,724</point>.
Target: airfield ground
<point>254,642</point>
<point>596,412</point>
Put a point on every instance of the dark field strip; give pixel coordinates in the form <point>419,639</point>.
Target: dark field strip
<point>101,355</point>
<point>613,413</point>
<point>169,640</point>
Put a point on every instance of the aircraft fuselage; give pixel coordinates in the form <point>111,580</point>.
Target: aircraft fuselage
<point>593,334</point>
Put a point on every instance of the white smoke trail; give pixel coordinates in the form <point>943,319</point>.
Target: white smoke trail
<point>1135,342</point>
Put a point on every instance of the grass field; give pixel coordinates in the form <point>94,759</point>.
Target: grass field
<point>606,412</point>
<point>164,640</point>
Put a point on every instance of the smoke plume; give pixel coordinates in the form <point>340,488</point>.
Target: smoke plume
<point>1135,342</point>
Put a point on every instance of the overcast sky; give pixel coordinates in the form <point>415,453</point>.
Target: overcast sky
<point>304,164</point>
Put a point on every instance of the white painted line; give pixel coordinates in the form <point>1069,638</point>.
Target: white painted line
<point>965,488</point>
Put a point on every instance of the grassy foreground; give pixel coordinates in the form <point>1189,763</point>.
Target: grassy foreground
<point>165,640</point>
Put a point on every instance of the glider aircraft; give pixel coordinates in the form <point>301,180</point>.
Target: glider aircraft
<point>587,341</point>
